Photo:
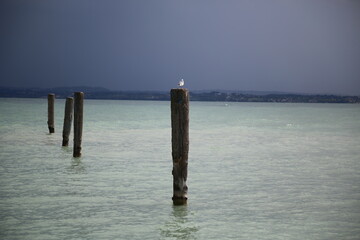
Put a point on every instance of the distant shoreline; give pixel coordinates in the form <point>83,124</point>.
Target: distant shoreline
<point>211,96</point>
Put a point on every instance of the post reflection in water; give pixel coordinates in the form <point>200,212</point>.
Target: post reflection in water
<point>77,167</point>
<point>179,226</point>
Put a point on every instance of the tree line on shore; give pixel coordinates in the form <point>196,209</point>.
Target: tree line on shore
<point>221,96</point>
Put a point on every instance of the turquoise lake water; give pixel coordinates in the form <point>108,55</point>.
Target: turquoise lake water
<point>256,171</point>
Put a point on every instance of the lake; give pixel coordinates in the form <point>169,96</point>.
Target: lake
<point>256,171</point>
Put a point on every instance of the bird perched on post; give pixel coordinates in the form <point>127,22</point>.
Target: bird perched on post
<point>181,83</point>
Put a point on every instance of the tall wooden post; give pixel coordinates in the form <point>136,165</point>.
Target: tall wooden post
<point>69,106</point>
<point>78,122</point>
<point>180,143</point>
<point>50,122</point>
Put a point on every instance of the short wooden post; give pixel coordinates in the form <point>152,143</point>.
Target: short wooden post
<point>69,106</point>
<point>78,122</point>
<point>180,143</point>
<point>50,122</point>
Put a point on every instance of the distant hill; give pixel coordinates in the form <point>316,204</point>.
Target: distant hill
<point>60,92</point>
<point>272,97</point>
<point>220,95</point>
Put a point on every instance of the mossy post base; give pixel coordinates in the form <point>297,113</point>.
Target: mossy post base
<point>180,143</point>
<point>78,122</point>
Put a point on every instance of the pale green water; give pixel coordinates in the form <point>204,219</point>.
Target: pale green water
<point>256,171</point>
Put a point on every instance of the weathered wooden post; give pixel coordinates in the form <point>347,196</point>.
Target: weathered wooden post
<point>180,143</point>
<point>50,122</point>
<point>69,106</point>
<point>78,122</point>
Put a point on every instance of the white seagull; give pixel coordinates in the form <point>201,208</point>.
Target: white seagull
<point>181,83</point>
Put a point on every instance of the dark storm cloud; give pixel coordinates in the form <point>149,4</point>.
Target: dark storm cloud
<point>298,46</point>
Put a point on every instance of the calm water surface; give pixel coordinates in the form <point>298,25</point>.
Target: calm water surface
<point>256,171</point>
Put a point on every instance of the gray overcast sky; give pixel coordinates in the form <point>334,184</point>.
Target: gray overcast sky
<point>309,46</point>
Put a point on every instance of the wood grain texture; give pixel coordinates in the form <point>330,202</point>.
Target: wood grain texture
<point>180,143</point>
<point>51,121</point>
<point>78,122</point>
<point>68,115</point>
